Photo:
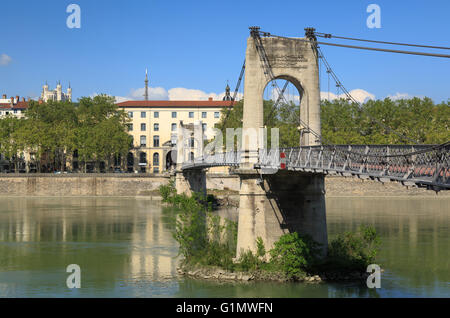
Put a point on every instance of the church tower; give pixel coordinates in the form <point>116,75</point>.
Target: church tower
<point>227,94</point>
<point>58,91</point>
<point>69,93</point>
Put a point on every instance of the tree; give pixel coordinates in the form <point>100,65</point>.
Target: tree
<point>96,128</point>
<point>374,122</point>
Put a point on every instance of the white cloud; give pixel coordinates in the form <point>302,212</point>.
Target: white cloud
<point>359,94</point>
<point>181,93</point>
<point>398,96</point>
<point>5,60</point>
<point>177,93</point>
<point>121,99</point>
<point>154,93</point>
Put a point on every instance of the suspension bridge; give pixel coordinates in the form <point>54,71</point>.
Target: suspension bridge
<point>282,189</point>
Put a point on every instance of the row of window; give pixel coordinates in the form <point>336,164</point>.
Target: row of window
<point>15,111</point>
<point>143,141</point>
<point>143,158</point>
<point>156,127</point>
<point>174,114</point>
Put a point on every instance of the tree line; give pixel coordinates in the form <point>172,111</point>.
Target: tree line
<point>343,122</point>
<point>92,130</point>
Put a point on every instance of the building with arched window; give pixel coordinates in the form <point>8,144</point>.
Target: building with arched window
<point>161,119</point>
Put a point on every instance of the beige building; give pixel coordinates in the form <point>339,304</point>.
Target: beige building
<point>154,128</point>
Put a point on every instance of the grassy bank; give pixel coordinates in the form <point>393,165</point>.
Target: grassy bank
<point>207,241</point>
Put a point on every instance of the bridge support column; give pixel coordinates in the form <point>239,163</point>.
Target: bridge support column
<point>187,182</point>
<point>275,204</point>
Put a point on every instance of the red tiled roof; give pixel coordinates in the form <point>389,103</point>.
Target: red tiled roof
<point>22,105</point>
<point>175,103</point>
<point>19,105</point>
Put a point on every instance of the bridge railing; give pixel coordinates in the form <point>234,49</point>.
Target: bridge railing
<point>231,158</point>
<point>424,164</point>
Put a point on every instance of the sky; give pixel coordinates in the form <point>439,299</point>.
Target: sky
<point>192,48</point>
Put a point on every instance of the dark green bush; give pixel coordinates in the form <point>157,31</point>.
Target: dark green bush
<point>168,192</point>
<point>354,251</point>
<point>294,254</point>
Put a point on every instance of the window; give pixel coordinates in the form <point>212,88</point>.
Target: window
<point>156,170</point>
<point>203,114</point>
<point>155,141</point>
<point>15,111</point>
<point>156,159</point>
<point>142,157</point>
<point>130,114</point>
<point>143,127</point>
<point>191,114</point>
<point>204,126</point>
<point>130,127</point>
<point>192,142</point>
<point>143,114</point>
<point>143,141</point>
<point>156,114</point>
<point>174,127</point>
<point>156,127</point>
<point>174,114</point>
<point>216,114</point>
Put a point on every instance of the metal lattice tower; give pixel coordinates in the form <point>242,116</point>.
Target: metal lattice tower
<point>146,85</point>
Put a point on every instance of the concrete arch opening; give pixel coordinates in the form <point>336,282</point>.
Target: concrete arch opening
<point>171,160</point>
<point>292,88</point>
<point>285,109</point>
<point>294,61</point>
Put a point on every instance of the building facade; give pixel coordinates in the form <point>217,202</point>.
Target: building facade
<point>154,126</point>
<point>13,106</point>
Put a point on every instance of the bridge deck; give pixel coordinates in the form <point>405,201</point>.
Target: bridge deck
<point>425,165</point>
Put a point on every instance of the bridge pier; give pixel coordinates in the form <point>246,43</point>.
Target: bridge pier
<point>275,204</point>
<point>189,181</point>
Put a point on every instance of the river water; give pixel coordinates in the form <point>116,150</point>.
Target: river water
<point>124,248</point>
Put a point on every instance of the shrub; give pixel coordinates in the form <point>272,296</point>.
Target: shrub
<point>294,254</point>
<point>168,192</point>
<point>352,251</point>
<point>248,262</point>
<point>202,237</point>
<point>190,230</point>
<point>260,248</point>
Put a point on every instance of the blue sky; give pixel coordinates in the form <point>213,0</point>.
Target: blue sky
<point>193,47</point>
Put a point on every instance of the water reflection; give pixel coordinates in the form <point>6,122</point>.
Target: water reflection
<point>117,243</point>
<point>125,249</point>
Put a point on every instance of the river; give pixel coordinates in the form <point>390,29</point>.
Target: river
<point>125,248</point>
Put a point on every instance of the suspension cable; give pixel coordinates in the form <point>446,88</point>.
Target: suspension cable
<point>349,96</point>
<point>329,36</point>
<point>334,76</point>
<point>269,73</point>
<point>233,99</point>
<point>359,47</point>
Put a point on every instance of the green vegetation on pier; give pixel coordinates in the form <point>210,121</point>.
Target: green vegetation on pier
<point>206,240</point>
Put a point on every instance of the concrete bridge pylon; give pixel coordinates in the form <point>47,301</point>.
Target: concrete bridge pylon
<point>286,201</point>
